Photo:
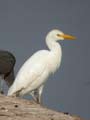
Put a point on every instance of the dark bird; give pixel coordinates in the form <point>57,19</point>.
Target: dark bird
<point>7,62</point>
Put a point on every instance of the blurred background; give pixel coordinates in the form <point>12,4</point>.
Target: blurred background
<point>23,27</point>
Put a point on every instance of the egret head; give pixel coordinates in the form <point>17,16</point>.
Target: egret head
<point>59,35</point>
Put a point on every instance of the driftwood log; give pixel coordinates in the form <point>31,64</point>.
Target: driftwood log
<point>20,109</point>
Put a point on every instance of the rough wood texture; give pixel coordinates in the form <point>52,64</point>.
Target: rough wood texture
<point>19,109</point>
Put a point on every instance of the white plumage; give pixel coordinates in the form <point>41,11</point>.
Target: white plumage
<point>35,71</point>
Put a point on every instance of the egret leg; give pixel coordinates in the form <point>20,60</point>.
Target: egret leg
<point>34,94</point>
<point>40,90</point>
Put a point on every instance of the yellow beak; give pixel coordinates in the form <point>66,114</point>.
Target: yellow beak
<point>66,36</point>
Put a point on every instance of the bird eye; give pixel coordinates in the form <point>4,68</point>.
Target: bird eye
<point>58,35</point>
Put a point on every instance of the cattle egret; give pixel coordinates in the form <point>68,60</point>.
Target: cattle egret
<point>7,62</point>
<point>36,70</point>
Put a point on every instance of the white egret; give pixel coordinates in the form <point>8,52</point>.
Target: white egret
<point>36,70</point>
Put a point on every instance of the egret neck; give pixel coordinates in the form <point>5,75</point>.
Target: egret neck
<point>56,51</point>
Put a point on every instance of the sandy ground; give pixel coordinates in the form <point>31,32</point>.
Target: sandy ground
<point>20,109</point>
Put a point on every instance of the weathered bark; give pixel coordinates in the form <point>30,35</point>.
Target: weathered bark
<point>20,109</point>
